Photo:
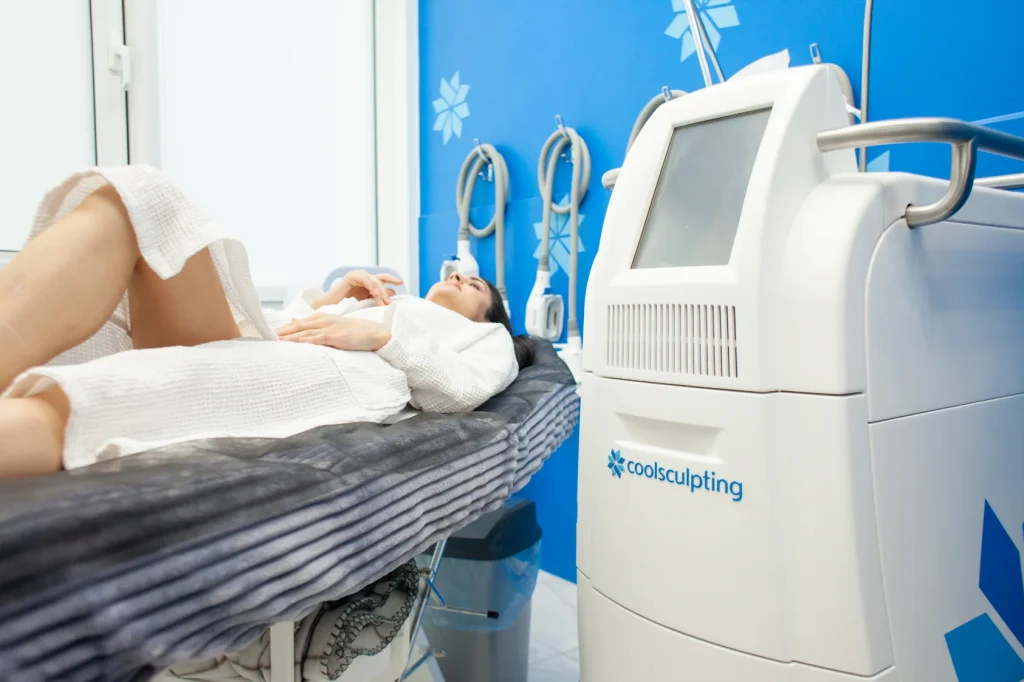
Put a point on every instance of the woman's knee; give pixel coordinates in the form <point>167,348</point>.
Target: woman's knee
<point>108,198</point>
<point>32,434</point>
<point>59,408</point>
<point>110,216</point>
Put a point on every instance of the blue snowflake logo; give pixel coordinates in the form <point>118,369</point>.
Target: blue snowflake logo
<point>1015,116</point>
<point>979,650</point>
<point>717,15</point>
<point>451,107</point>
<point>559,239</point>
<point>616,463</point>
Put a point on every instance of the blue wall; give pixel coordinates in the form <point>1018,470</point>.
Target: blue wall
<point>597,62</point>
<point>945,58</point>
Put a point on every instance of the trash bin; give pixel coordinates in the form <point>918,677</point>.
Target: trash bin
<point>487,580</point>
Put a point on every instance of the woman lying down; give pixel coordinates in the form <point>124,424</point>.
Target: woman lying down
<point>129,322</point>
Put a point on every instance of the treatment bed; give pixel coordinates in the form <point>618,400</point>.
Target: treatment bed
<point>122,569</point>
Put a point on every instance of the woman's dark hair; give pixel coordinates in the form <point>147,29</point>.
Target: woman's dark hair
<point>496,313</point>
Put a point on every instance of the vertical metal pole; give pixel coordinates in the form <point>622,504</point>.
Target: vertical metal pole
<point>698,40</point>
<point>710,49</point>
<point>865,78</point>
<point>282,652</point>
<point>431,573</point>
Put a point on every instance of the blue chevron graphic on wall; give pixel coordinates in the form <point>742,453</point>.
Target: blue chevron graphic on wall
<point>979,650</point>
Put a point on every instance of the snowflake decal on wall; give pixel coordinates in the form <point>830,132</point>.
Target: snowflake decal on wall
<point>879,164</point>
<point>559,239</point>
<point>717,15</point>
<point>451,107</point>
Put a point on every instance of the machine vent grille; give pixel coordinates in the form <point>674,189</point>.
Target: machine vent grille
<point>672,338</point>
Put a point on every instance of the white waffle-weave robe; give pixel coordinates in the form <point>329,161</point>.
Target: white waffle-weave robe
<point>125,401</point>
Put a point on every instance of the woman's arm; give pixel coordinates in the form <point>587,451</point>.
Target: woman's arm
<point>355,286</point>
<point>440,379</point>
<point>360,285</point>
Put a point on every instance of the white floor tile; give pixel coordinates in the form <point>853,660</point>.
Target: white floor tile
<point>554,637</point>
<point>553,628</point>
<point>540,650</point>
<point>561,668</point>
<point>563,589</point>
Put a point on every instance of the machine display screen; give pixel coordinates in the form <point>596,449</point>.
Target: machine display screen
<point>696,207</point>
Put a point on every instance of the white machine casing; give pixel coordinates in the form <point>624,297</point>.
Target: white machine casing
<point>862,382</point>
<point>464,263</point>
<point>545,312</point>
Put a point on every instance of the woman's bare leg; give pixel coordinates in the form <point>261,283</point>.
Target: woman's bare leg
<point>185,310</point>
<point>62,288</point>
<point>32,434</point>
<point>65,284</point>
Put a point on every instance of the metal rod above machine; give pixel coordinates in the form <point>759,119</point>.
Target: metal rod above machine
<point>1011,181</point>
<point>701,43</point>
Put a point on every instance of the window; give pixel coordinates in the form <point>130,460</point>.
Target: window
<point>49,119</point>
<point>264,114</point>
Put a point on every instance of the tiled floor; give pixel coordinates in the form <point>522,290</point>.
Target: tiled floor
<point>554,638</point>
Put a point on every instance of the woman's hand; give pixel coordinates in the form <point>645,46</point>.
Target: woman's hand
<point>336,331</point>
<point>360,285</point>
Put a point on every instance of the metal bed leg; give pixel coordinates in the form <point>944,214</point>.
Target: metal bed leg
<point>429,574</point>
<point>282,652</point>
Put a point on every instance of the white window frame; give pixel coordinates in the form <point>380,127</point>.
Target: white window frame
<point>141,26</point>
<point>396,85</point>
<point>112,70</point>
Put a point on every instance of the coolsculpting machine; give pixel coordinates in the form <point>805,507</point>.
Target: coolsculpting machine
<point>803,402</point>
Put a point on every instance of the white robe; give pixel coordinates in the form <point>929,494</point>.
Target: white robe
<point>125,401</point>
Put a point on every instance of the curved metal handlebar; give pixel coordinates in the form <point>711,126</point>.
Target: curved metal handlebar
<point>966,139</point>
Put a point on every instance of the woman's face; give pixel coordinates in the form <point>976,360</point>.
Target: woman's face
<point>468,296</point>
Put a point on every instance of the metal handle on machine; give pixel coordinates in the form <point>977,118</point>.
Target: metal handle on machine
<point>1012,181</point>
<point>966,139</point>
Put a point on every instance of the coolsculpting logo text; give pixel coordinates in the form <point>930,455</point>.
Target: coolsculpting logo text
<point>704,481</point>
